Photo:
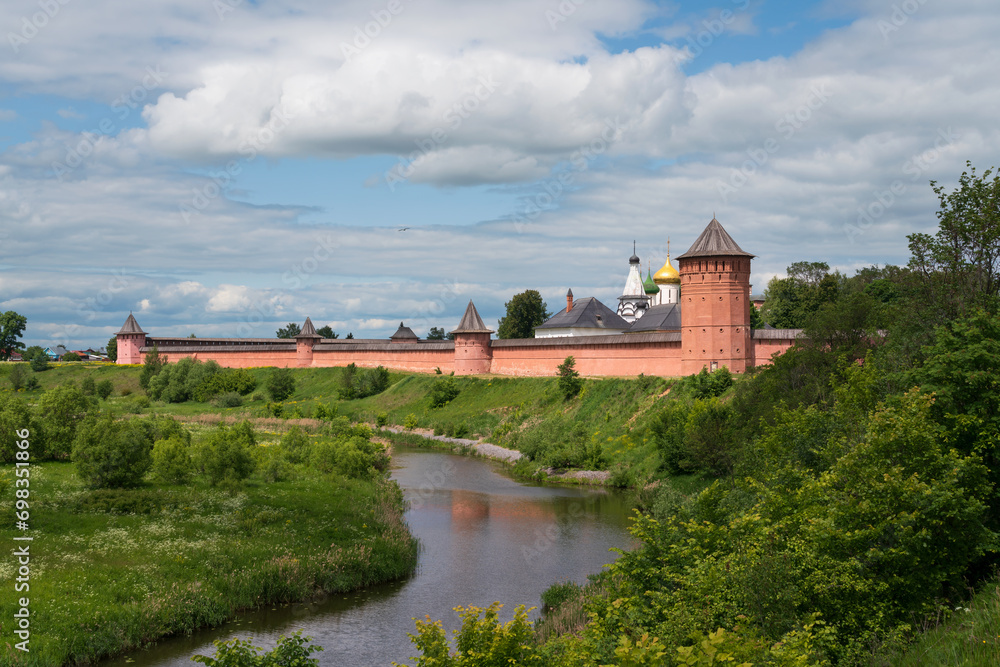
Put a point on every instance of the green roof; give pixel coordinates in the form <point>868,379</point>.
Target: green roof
<point>648,285</point>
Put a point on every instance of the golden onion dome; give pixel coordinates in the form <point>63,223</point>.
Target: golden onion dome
<point>667,275</point>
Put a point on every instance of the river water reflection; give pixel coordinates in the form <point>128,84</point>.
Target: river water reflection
<point>483,536</point>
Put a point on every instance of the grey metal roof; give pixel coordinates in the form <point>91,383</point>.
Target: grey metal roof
<point>131,326</point>
<point>471,322</point>
<point>578,341</point>
<point>664,317</point>
<point>404,333</point>
<point>308,330</point>
<point>714,242</point>
<point>587,313</point>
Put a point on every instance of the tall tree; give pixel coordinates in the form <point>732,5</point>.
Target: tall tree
<point>291,331</point>
<point>524,312</point>
<point>112,348</point>
<point>11,329</point>
<point>326,332</point>
<point>959,267</point>
<point>436,333</point>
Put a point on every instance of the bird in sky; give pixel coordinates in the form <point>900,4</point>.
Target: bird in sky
<point>402,229</point>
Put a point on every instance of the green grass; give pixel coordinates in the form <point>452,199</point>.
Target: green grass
<point>115,570</point>
<point>970,636</point>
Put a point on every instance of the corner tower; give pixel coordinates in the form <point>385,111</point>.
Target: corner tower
<point>715,311</point>
<point>131,339</point>
<point>305,340</point>
<point>473,354</point>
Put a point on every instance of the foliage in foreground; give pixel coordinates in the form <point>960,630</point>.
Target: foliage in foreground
<point>291,651</point>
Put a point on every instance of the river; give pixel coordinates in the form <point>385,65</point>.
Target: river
<point>483,536</point>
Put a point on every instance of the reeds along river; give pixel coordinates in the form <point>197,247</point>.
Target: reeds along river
<point>483,536</point>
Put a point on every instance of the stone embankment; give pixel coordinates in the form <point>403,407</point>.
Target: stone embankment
<point>498,453</point>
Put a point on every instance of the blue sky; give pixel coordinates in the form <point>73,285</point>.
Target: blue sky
<point>225,167</point>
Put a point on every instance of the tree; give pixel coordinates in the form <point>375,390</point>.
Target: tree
<point>18,377</point>
<point>60,411</point>
<point>11,329</point>
<point>32,352</point>
<point>959,267</point>
<point>151,366</point>
<point>280,384</point>
<point>227,454</point>
<point>569,378</point>
<point>70,356</point>
<point>790,301</point>
<point>524,312</point>
<point>325,332</point>
<point>436,333</point>
<point>172,460</point>
<point>350,336</point>
<point>39,363</point>
<point>113,348</point>
<point>290,331</point>
<point>112,454</point>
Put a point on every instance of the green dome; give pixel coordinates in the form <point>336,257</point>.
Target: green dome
<point>648,285</point>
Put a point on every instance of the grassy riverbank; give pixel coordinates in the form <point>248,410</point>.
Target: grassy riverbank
<point>113,570</point>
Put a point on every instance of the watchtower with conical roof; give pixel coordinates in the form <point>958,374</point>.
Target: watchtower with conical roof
<point>305,340</point>
<point>473,354</point>
<point>715,303</point>
<point>130,341</point>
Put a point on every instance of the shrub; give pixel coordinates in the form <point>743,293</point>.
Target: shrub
<point>226,455</point>
<point>355,383</point>
<point>230,399</point>
<point>355,457</point>
<point>381,419</point>
<point>39,363</point>
<point>484,641</point>
<point>104,389</point>
<point>280,384</point>
<point>291,651</point>
<point>88,386</point>
<point>225,381</point>
<point>443,391</point>
<point>18,376</point>
<point>15,415</point>
<point>295,445</point>
<point>152,364</point>
<point>112,454</point>
<point>180,382</point>
<point>324,412</point>
<point>59,412</point>
<point>172,460</point>
<point>275,409</point>
<point>570,382</point>
<point>70,356</point>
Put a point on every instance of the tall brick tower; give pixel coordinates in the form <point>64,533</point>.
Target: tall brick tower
<point>715,303</point>
<point>304,343</point>
<point>131,339</point>
<point>473,354</point>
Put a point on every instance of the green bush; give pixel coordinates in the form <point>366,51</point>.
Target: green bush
<point>289,652</point>
<point>410,422</point>
<point>104,389</point>
<point>112,454</point>
<point>354,456</point>
<point>280,384</point>
<point>18,376</point>
<point>172,460</point>
<point>443,391</point>
<point>480,641</point>
<point>39,363</point>
<point>381,419</point>
<point>226,381</point>
<point>295,445</point>
<point>570,382</point>
<point>152,364</point>
<point>361,383</point>
<point>88,386</point>
<point>180,382</point>
<point>59,412</point>
<point>227,453</point>
<point>15,416</point>
<point>230,399</point>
